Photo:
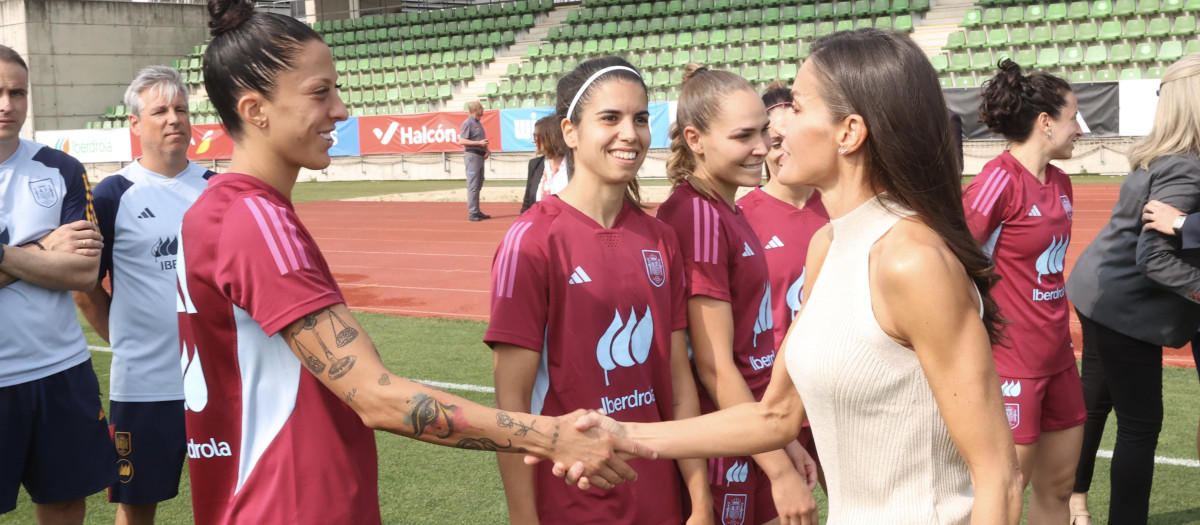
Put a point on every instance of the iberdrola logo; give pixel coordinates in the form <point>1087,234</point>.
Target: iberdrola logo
<point>63,145</point>
<point>205,142</point>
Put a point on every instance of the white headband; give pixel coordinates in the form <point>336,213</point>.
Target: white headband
<point>588,82</point>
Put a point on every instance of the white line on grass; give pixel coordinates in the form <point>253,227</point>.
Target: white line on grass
<point>1107,454</point>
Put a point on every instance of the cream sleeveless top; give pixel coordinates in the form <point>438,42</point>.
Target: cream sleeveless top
<point>887,455</point>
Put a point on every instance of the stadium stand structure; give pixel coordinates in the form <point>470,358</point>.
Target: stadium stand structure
<point>509,55</point>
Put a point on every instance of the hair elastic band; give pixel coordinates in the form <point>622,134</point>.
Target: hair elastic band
<point>588,82</point>
<point>773,106</point>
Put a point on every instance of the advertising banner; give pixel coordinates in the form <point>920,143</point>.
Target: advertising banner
<point>423,133</point>
<point>345,139</point>
<point>516,127</point>
<point>1098,109</point>
<point>661,117</point>
<point>89,145</point>
<point>209,142</point>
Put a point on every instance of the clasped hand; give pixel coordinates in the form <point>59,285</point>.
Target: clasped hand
<point>596,447</point>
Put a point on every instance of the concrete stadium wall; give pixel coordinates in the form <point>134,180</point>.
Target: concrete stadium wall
<point>82,54</point>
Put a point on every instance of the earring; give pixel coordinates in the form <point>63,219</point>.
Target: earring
<point>841,151</point>
<point>1049,134</point>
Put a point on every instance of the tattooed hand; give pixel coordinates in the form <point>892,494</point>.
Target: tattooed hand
<point>596,446</point>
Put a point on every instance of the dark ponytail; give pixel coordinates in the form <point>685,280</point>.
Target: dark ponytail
<point>247,53</point>
<point>1012,101</point>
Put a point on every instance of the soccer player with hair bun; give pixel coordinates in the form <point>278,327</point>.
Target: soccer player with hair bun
<point>1019,208</point>
<point>784,217</point>
<point>283,387</point>
<point>588,311</point>
<point>719,144</point>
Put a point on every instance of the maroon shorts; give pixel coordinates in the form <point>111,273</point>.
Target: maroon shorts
<point>1043,404</point>
<point>741,491</point>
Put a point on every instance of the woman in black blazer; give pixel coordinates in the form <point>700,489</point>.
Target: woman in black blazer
<point>1137,291</point>
<point>543,169</point>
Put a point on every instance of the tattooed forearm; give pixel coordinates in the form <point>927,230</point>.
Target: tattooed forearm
<point>344,333</point>
<point>483,444</point>
<point>350,395</point>
<point>430,413</point>
<point>504,420</point>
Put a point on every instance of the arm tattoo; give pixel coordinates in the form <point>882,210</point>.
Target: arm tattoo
<point>504,420</point>
<point>350,395</point>
<point>338,367</point>
<point>483,444</point>
<point>429,412</point>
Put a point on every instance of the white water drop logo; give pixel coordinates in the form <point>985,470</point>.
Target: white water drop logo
<point>764,322</point>
<point>794,293</point>
<point>1011,388</point>
<point>625,343</point>
<point>737,473</point>
<point>1053,259</point>
<point>195,388</point>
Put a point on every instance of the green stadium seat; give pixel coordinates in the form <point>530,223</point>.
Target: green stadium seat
<point>1191,5</point>
<point>1081,76</point>
<point>1151,72</point>
<point>940,63</point>
<point>1034,13</point>
<point>1145,7</point>
<point>965,81</point>
<point>1055,12</point>
<point>1145,52</point>
<point>843,25</point>
<point>1131,73</point>
<point>1120,53</point>
<point>1192,46</point>
<point>1071,56</point>
<point>1095,55</point>
<point>899,7</point>
<point>981,61</point>
<point>1026,58</point>
<point>1158,27</point>
<point>826,28</point>
<point>1106,75</point>
<point>1109,30</point>
<point>1040,35</point>
<point>788,72</point>
<point>1047,57</point>
<point>808,12</point>
<point>807,31</point>
<point>1185,25</point>
<point>976,39</point>
<point>1171,6</point>
<point>1063,33</point>
<point>959,62</point>
<point>1013,15</point>
<point>946,82</point>
<point>1018,36</point>
<point>997,37</point>
<point>1086,32</point>
<point>1134,29</point>
<point>992,16</point>
<point>903,24</point>
<point>884,23</point>
<point>1170,51</point>
<point>863,23</point>
<point>972,18</point>
<point>1078,10</point>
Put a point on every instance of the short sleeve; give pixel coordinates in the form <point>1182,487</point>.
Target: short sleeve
<point>704,248</point>
<point>464,131</point>
<point>520,289</point>
<point>267,267</point>
<point>679,319</point>
<point>106,201</point>
<point>987,201</point>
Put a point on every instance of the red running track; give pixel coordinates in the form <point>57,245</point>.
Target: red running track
<point>427,259</point>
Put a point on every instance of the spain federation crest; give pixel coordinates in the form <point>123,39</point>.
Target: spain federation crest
<point>656,270</point>
<point>124,443</point>
<point>1066,203</point>
<point>1014,415</point>
<point>734,511</point>
<point>43,192</point>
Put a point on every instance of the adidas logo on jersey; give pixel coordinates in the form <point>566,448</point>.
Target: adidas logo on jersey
<point>774,242</point>
<point>146,214</point>
<point>1011,388</point>
<point>1035,212</point>
<point>579,276</point>
<point>747,252</point>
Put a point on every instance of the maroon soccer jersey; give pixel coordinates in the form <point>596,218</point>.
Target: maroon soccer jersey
<point>723,260</point>
<point>600,305</point>
<point>784,233</point>
<point>267,442</point>
<point>1025,227</point>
